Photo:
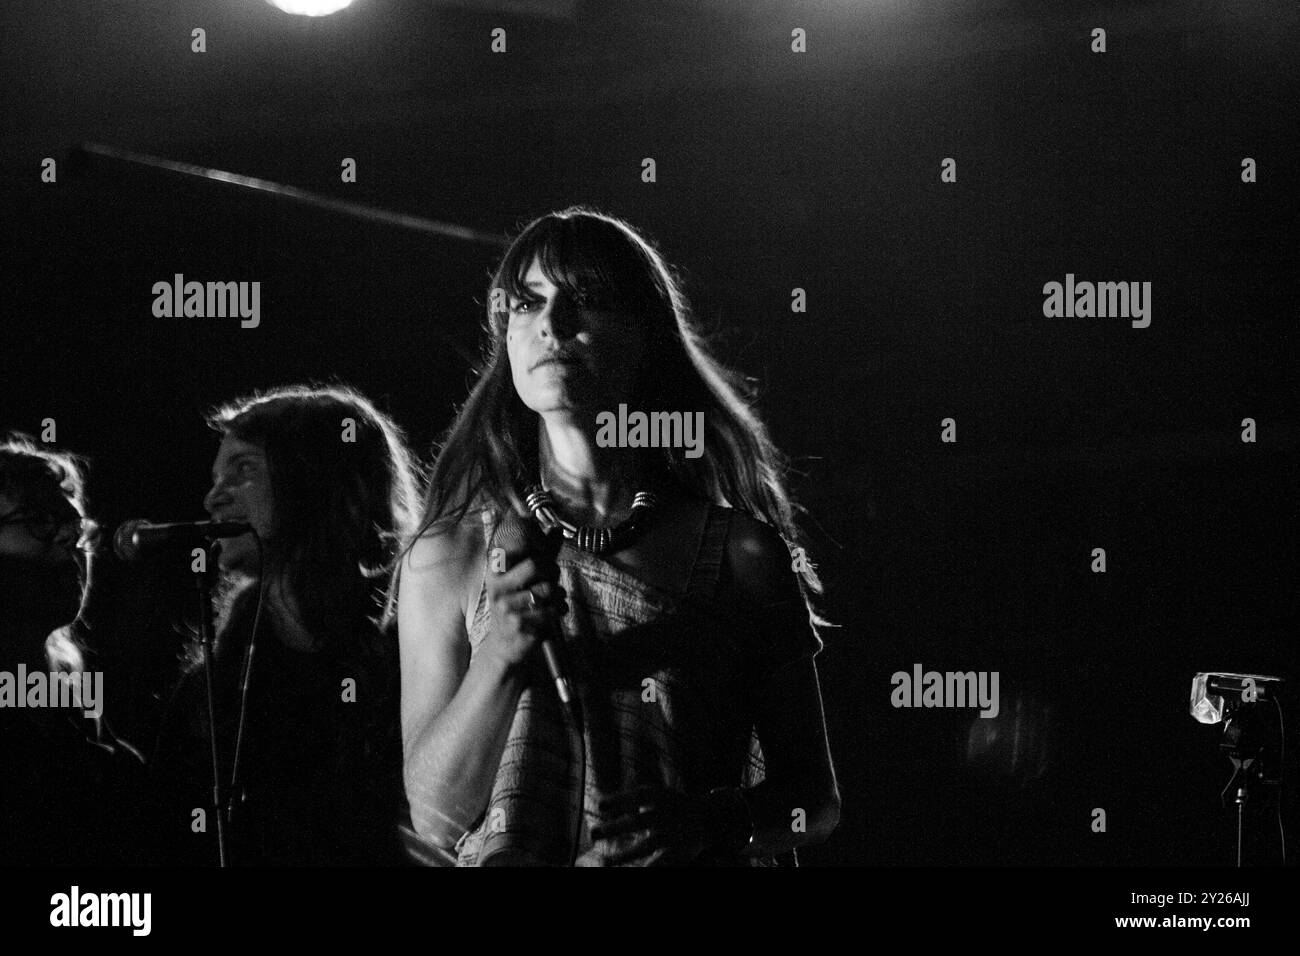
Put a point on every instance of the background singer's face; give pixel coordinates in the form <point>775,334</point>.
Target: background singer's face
<point>599,349</point>
<point>241,491</point>
<point>41,574</point>
<point>45,500</point>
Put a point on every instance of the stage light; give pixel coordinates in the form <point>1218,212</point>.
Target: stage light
<point>310,8</point>
<point>1256,753</point>
<point>1207,708</point>
<point>1216,694</point>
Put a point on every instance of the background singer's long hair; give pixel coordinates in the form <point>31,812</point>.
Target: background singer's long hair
<point>342,508</point>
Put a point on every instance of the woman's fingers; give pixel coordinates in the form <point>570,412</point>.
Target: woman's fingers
<point>539,598</point>
<point>543,593</point>
<point>525,603</point>
<point>631,801</point>
<point>620,826</point>
<point>639,850</point>
<point>631,810</point>
<point>523,574</point>
<point>525,587</point>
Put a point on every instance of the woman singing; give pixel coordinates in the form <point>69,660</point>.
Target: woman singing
<point>328,485</point>
<point>70,786</point>
<point>699,736</point>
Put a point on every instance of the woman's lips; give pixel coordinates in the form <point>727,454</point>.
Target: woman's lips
<point>555,360</point>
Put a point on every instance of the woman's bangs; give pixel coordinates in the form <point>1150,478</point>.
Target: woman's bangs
<point>579,267</point>
<point>584,257</point>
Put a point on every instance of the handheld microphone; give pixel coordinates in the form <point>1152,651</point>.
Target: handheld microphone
<point>521,538</point>
<point>136,539</point>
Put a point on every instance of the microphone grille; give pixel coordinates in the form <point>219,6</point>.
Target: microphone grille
<point>518,535</point>
<point>511,532</point>
<point>125,544</point>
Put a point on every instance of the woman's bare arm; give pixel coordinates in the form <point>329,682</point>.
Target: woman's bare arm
<point>798,803</point>
<point>455,714</point>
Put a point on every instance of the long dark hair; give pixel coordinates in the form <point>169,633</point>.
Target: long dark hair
<point>344,488</point>
<point>490,451</point>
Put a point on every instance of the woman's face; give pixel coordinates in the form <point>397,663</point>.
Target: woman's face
<point>571,356</point>
<point>241,491</point>
<point>50,510</point>
<point>42,570</point>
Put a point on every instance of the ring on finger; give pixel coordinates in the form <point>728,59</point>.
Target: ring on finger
<point>532,599</point>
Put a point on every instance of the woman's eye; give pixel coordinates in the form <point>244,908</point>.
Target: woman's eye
<point>520,306</point>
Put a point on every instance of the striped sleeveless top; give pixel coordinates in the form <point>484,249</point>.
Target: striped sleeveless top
<point>661,678</point>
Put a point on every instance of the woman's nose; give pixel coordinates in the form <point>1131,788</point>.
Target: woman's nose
<point>560,319</point>
<point>215,496</point>
<point>66,536</point>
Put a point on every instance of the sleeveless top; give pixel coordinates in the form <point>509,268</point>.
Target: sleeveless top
<point>662,682</point>
<point>321,760</point>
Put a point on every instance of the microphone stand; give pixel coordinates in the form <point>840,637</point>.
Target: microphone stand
<point>237,792</point>
<point>203,580</point>
<point>1244,736</point>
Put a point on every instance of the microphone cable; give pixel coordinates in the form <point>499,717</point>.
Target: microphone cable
<point>245,678</point>
<point>576,724</point>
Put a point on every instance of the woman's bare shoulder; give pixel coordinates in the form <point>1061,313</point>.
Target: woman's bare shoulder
<point>757,563</point>
<point>448,556</point>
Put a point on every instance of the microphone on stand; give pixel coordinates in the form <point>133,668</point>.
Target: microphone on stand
<point>137,539</point>
<point>521,538</point>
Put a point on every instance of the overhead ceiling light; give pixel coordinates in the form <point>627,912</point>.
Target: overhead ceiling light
<point>310,8</point>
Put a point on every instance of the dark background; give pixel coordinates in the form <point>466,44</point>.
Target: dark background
<point>775,170</point>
